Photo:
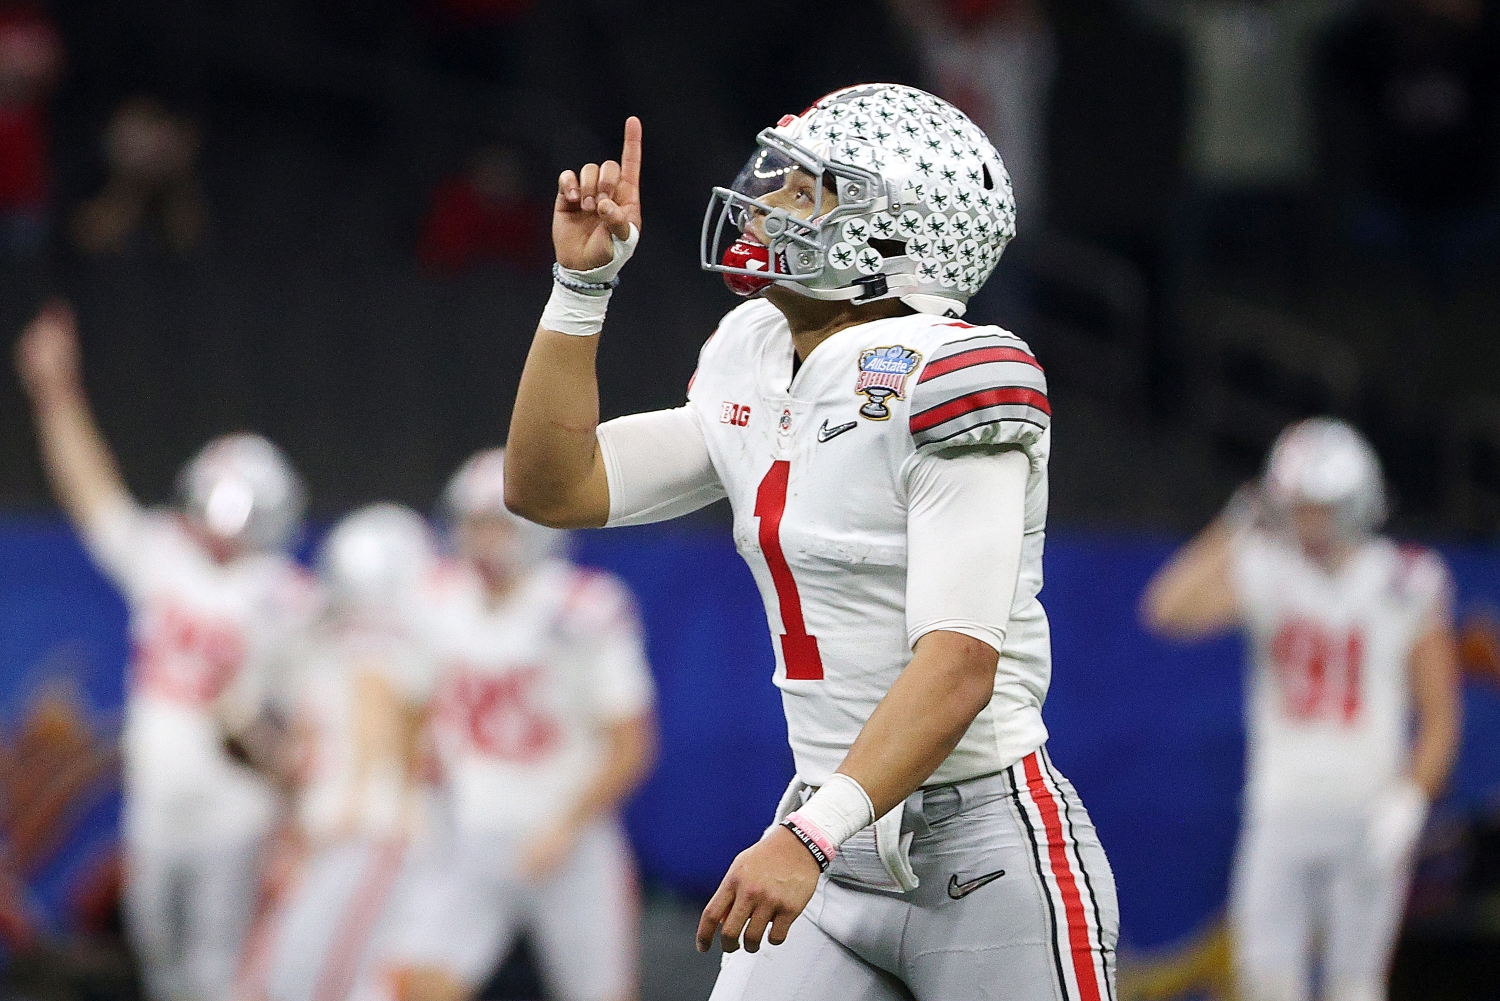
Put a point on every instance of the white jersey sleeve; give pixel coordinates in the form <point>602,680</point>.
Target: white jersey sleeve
<point>658,466</point>
<point>123,538</point>
<point>601,620</point>
<point>966,515</point>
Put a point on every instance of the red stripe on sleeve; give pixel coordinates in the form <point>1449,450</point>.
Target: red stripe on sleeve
<point>975,356</point>
<point>957,407</point>
<point>1057,852</point>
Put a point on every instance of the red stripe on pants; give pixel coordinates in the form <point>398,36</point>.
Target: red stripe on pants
<point>1067,884</point>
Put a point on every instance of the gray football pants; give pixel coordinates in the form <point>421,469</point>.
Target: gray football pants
<point>1045,930</point>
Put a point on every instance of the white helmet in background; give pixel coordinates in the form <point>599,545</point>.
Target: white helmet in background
<point>1326,462</point>
<point>913,203</point>
<point>242,489</point>
<point>477,490</point>
<point>377,556</point>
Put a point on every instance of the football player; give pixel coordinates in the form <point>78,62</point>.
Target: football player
<point>213,602</point>
<point>886,464</point>
<point>542,724</point>
<point>355,700</point>
<point>1351,638</point>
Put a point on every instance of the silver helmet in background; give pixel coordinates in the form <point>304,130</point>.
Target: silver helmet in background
<point>477,492</point>
<point>241,489</point>
<point>377,557</point>
<point>1325,462</point>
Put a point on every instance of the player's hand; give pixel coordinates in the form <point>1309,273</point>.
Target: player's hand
<point>545,854</point>
<point>47,350</point>
<point>600,200</point>
<point>767,886</point>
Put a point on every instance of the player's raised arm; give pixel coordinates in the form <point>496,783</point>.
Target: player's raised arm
<point>554,470</point>
<point>1192,595</point>
<point>80,467</point>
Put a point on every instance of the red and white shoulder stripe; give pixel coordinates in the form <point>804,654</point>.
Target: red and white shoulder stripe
<point>1083,951</point>
<point>986,384</point>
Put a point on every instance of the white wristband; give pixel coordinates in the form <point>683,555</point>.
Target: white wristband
<point>840,809</point>
<point>575,313</point>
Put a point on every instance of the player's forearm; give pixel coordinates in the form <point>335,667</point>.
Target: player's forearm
<point>950,679</point>
<point>1439,711</point>
<point>629,758</point>
<point>554,472</point>
<point>79,465</point>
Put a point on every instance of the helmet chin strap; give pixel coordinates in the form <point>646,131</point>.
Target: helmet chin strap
<point>883,286</point>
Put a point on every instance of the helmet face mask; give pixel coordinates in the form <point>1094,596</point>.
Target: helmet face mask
<point>921,206</point>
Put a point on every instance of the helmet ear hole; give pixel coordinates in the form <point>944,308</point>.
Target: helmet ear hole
<point>889,248</point>
<point>989,179</point>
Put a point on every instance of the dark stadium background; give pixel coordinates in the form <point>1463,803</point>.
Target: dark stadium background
<point>314,308</point>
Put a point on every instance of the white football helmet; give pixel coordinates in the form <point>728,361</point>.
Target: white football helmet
<point>1324,461</point>
<point>242,489</point>
<point>914,202</point>
<point>478,490</point>
<point>377,556</point>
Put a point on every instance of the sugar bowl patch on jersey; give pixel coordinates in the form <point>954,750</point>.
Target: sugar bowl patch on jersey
<point>883,373</point>
<point>912,201</point>
<point>987,388</point>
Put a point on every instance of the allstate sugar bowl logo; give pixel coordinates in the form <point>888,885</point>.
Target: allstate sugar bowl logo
<point>882,374</point>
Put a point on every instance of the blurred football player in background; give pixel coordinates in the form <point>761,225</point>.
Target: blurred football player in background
<point>213,601</point>
<point>354,699</point>
<point>542,724</point>
<point>1351,636</point>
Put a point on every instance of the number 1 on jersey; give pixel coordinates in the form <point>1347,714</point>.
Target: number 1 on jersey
<point>798,649</point>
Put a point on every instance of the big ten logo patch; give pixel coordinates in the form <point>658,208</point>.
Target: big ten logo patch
<point>882,374</point>
<point>734,413</point>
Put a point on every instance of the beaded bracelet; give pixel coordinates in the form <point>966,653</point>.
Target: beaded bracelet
<point>576,285</point>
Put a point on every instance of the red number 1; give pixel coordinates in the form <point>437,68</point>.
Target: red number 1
<point>799,650</point>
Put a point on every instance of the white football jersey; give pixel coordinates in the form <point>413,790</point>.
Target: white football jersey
<point>815,467</point>
<point>1328,698</point>
<point>354,692</point>
<point>525,691</point>
<point>206,638</point>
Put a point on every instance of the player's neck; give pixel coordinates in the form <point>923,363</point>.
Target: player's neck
<point>813,321</point>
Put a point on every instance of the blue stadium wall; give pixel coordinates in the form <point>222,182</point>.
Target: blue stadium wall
<point>1150,733</point>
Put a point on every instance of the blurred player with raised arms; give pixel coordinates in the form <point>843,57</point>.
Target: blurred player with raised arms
<point>542,725</point>
<point>353,703</point>
<point>213,601</point>
<point>1351,637</point>
<point>887,468</point>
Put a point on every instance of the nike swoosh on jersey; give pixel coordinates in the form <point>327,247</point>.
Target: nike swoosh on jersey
<point>826,433</point>
<point>958,890</point>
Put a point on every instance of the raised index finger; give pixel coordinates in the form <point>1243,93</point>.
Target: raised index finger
<point>630,154</point>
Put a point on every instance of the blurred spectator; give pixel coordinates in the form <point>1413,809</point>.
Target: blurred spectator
<point>1251,129</point>
<point>485,214</point>
<point>152,189</point>
<point>1423,77</point>
<point>994,59</point>
<point>31,60</point>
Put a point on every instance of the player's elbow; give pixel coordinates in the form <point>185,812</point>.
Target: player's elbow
<point>969,665</point>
